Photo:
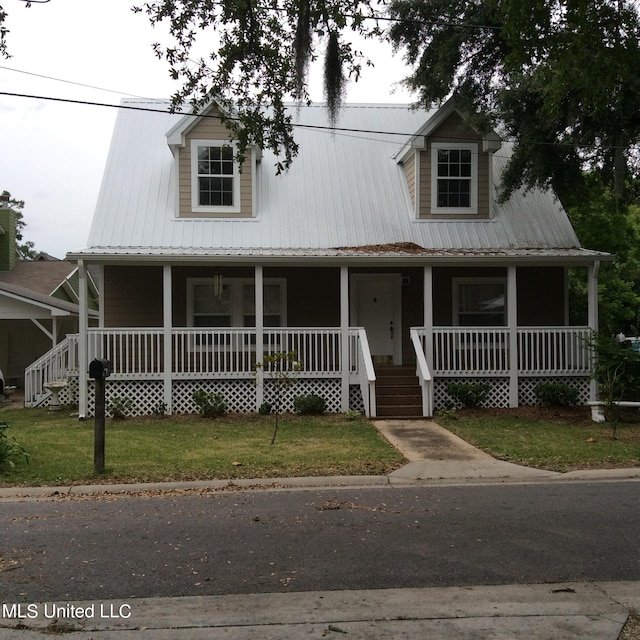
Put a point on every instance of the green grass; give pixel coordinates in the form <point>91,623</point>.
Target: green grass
<point>560,440</point>
<point>193,448</point>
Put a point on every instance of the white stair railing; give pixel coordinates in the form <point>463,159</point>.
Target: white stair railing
<point>423,372</point>
<point>54,365</point>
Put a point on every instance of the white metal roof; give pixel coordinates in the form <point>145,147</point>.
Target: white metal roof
<point>344,190</point>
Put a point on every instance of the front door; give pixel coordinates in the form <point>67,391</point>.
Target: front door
<point>376,306</point>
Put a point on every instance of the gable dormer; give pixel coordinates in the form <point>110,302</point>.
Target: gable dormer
<point>448,168</point>
<point>211,183</point>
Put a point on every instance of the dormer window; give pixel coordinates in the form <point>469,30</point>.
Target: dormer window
<point>454,178</point>
<point>215,180</point>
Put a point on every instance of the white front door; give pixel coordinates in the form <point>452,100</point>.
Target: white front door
<point>376,306</point>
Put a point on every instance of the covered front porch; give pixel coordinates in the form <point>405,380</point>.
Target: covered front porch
<point>369,315</point>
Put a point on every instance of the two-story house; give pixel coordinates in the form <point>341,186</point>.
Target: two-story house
<point>382,257</point>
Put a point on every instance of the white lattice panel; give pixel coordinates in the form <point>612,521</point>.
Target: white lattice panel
<point>327,388</point>
<point>145,395</point>
<point>356,403</point>
<point>240,395</point>
<point>527,388</point>
<point>498,395</point>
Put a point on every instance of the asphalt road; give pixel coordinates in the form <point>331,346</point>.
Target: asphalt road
<point>279,541</point>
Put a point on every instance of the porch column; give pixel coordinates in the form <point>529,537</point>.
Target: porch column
<point>592,288</point>
<point>344,332</point>
<point>259,292</point>
<point>83,351</point>
<point>167,322</point>
<point>512,322</point>
<point>427,295</point>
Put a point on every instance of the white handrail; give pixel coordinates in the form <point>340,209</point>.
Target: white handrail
<point>423,373</point>
<point>366,373</point>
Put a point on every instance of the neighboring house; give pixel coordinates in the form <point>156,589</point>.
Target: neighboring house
<point>383,251</point>
<point>38,303</point>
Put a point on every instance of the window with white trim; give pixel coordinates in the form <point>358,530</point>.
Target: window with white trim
<point>479,302</point>
<point>215,179</point>
<point>454,178</point>
<point>233,305</point>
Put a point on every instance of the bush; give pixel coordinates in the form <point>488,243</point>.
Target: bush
<point>210,405</point>
<point>468,394</point>
<point>119,407</point>
<point>555,394</point>
<point>265,409</point>
<point>311,404</point>
<point>10,449</point>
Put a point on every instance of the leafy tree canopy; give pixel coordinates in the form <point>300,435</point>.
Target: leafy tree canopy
<point>26,248</point>
<point>256,58</point>
<point>557,76</point>
<point>560,76</point>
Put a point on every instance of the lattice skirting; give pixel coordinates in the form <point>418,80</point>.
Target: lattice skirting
<point>527,388</point>
<point>147,395</point>
<point>499,394</point>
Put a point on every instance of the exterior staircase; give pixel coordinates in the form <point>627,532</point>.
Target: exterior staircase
<point>398,392</point>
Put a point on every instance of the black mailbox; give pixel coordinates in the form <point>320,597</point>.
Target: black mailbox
<point>99,369</point>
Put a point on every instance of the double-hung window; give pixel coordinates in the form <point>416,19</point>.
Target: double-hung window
<point>454,178</point>
<point>233,304</point>
<point>215,180</point>
<point>479,302</point>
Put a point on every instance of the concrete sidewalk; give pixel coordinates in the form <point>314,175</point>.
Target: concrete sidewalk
<point>569,611</point>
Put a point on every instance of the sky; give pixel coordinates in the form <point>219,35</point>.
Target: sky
<point>54,152</point>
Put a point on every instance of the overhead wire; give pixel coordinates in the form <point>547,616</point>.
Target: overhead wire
<point>321,128</point>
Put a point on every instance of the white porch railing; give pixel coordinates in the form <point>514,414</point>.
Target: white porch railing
<point>423,373</point>
<point>138,354</point>
<point>362,368</point>
<point>479,351</point>
<point>56,364</point>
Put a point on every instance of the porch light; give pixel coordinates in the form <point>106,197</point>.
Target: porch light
<point>217,286</point>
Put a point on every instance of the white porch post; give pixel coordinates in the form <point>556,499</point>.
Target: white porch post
<point>427,295</point>
<point>83,357</point>
<point>344,332</point>
<point>167,322</point>
<point>512,322</point>
<point>259,293</point>
<point>592,287</point>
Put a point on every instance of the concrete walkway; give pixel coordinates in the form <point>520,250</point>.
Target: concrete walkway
<point>529,612</point>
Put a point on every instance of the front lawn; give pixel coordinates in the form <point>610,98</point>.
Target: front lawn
<point>555,439</point>
<point>194,448</point>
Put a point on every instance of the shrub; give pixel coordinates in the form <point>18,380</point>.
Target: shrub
<point>556,394</point>
<point>265,409</point>
<point>160,409</point>
<point>210,405</point>
<point>469,394</point>
<point>119,407</point>
<point>353,414</point>
<point>310,404</point>
<point>10,449</point>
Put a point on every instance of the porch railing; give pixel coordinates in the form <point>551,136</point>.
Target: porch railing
<point>423,373</point>
<point>479,351</point>
<point>56,364</point>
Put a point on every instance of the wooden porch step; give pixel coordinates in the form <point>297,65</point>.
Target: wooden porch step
<point>398,393</point>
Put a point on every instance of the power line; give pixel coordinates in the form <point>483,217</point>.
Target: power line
<point>320,128</point>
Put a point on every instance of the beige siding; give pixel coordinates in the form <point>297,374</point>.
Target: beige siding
<point>132,296</point>
<point>410,174</point>
<point>211,129</point>
<point>453,129</point>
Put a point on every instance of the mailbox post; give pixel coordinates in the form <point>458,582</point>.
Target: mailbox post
<point>99,370</point>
